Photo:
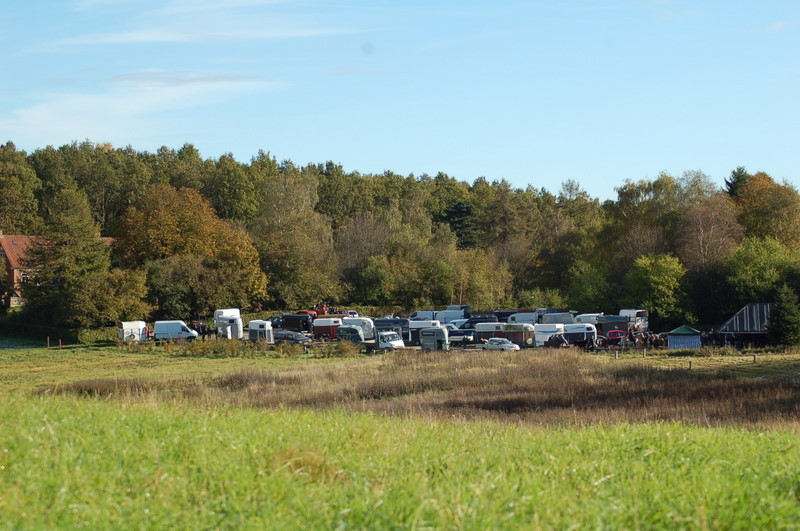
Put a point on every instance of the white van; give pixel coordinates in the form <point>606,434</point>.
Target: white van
<point>173,330</point>
<point>132,331</point>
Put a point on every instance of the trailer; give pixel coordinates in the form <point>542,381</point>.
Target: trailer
<point>521,334</point>
<point>486,330</point>
<point>365,323</point>
<point>543,332</point>
<point>228,323</point>
<point>298,322</point>
<point>325,327</point>
<point>416,326</point>
<point>434,338</point>
<point>132,331</point>
<point>260,330</point>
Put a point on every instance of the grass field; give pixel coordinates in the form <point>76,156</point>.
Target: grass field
<point>104,437</point>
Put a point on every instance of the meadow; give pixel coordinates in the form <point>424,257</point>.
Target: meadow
<point>112,437</point>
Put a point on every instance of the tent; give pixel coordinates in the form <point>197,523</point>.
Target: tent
<point>683,337</point>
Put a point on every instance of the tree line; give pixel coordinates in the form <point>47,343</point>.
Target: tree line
<point>193,234</point>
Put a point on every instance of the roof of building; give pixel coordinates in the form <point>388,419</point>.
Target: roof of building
<point>752,319</point>
<point>14,248</point>
<point>684,330</point>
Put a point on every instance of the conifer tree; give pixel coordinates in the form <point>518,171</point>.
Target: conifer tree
<point>784,318</point>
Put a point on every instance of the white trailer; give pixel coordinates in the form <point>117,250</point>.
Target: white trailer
<point>366,324</point>
<point>542,332</point>
<point>228,323</point>
<point>132,331</point>
<point>260,330</point>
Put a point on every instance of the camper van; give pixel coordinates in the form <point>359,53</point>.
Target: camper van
<point>434,338</point>
<point>590,318</point>
<point>172,331</point>
<point>259,330</point>
<point>132,331</point>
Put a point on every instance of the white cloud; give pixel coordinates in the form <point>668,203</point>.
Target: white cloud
<point>778,26</point>
<point>167,35</point>
<point>127,109</point>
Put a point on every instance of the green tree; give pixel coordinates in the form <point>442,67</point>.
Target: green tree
<point>180,232</point>
<point>655,284</point>
<point>737,180</point>
<point>231,190</point>
<point>757,267</point>
<point>770,210</point>
<point>19,184</point>
<point>69,256</point>
<point>784,318</point>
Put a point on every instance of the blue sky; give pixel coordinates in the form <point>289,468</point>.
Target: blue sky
<point>536,92</point>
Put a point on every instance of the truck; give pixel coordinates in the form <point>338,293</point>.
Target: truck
<point>260,330</point>
<point>384,340</point>
<point>228,323</point>
<point>132,331</point>
<point>173,331</point>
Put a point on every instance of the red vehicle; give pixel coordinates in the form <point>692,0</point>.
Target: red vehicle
<point>616,336</point>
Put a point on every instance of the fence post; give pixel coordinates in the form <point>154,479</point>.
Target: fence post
<point>48,341</point>
<point>690,365</point>
<point>755,358</point>
<point>59,343</point>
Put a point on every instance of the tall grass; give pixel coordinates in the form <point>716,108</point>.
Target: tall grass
<point>549,388</point>
<point>72,463</point>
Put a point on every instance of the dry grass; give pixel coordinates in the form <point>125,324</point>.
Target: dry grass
<point>542,387</point>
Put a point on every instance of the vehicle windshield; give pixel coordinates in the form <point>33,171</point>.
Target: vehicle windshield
<point>391,336</point>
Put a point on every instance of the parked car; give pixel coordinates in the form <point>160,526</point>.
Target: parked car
<point>276,321</point>
<point>499,343</point>
<point>291,337</point>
